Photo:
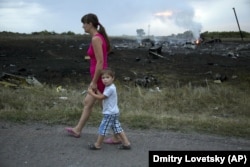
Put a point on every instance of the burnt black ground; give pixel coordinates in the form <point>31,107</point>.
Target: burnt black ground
<point>60,61</point>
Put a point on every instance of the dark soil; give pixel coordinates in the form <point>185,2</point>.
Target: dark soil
<point>61,60</point>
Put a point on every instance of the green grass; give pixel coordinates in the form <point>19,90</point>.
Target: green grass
<point>221,109</point>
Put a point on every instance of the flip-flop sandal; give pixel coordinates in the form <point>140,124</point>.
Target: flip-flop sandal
<point>111,141</point>
<point>93,147</point>
<point>72,133</point>
<point>123,147</point>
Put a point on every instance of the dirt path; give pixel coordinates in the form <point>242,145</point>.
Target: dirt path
<point>40,145</point>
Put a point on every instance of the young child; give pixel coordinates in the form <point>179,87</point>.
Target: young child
<point>110,112</point>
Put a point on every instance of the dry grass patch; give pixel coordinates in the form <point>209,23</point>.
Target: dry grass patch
<point>218,109</point>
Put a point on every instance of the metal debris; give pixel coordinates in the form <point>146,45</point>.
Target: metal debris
<point>156,51</point>
<point>156,54</point>
<point>146,81</point>
<point>10,80</point>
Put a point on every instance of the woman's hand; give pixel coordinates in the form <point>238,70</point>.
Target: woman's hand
<point>90,90</point>
<point>93,86</point>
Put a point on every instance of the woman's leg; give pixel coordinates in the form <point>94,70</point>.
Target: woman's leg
<point>88,103</point>
<point>115,139</point>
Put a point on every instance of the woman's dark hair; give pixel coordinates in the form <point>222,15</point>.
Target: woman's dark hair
<point>92,18</point>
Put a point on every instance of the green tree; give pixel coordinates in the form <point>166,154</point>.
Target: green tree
<point>140,32</point>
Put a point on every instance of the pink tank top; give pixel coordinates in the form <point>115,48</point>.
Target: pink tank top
<point>91,54</point>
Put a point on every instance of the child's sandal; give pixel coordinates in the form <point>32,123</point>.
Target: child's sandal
<point>124,147</point>
<point>93,147</point>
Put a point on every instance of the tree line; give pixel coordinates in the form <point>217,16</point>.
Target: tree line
<point>225,34</point>
<point>205,35</point>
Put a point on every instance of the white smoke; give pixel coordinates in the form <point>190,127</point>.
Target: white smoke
<point>183,18</point>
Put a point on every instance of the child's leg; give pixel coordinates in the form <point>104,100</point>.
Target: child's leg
<point>103,129</point>
<point>116,126</point>
<point>124,138</point>
<point>98,143</point>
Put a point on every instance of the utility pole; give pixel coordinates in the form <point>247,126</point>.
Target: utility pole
<point>238,24</point>
<point>148,30</point>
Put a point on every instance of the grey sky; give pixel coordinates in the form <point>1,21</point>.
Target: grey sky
<point>159,17</point>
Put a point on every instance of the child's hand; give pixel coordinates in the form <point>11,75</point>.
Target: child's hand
<point>98,92</point>
<point>92,91</point>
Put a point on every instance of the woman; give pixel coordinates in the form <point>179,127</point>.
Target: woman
<point>98,52</point>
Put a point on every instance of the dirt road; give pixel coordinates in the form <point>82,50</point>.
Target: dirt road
<point>40,145</point>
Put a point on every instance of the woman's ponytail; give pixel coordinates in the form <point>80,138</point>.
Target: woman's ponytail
<point>102,31</point>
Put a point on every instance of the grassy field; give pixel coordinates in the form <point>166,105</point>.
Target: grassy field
<point>221,109</point>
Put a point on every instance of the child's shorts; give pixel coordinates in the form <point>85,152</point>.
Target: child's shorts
<point>110,121</point>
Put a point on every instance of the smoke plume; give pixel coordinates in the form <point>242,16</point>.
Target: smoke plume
<point>183,18</point>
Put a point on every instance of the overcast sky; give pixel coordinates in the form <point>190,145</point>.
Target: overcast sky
<point>124,17</point>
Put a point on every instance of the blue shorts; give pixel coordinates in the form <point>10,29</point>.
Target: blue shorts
<point>110,121</point>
